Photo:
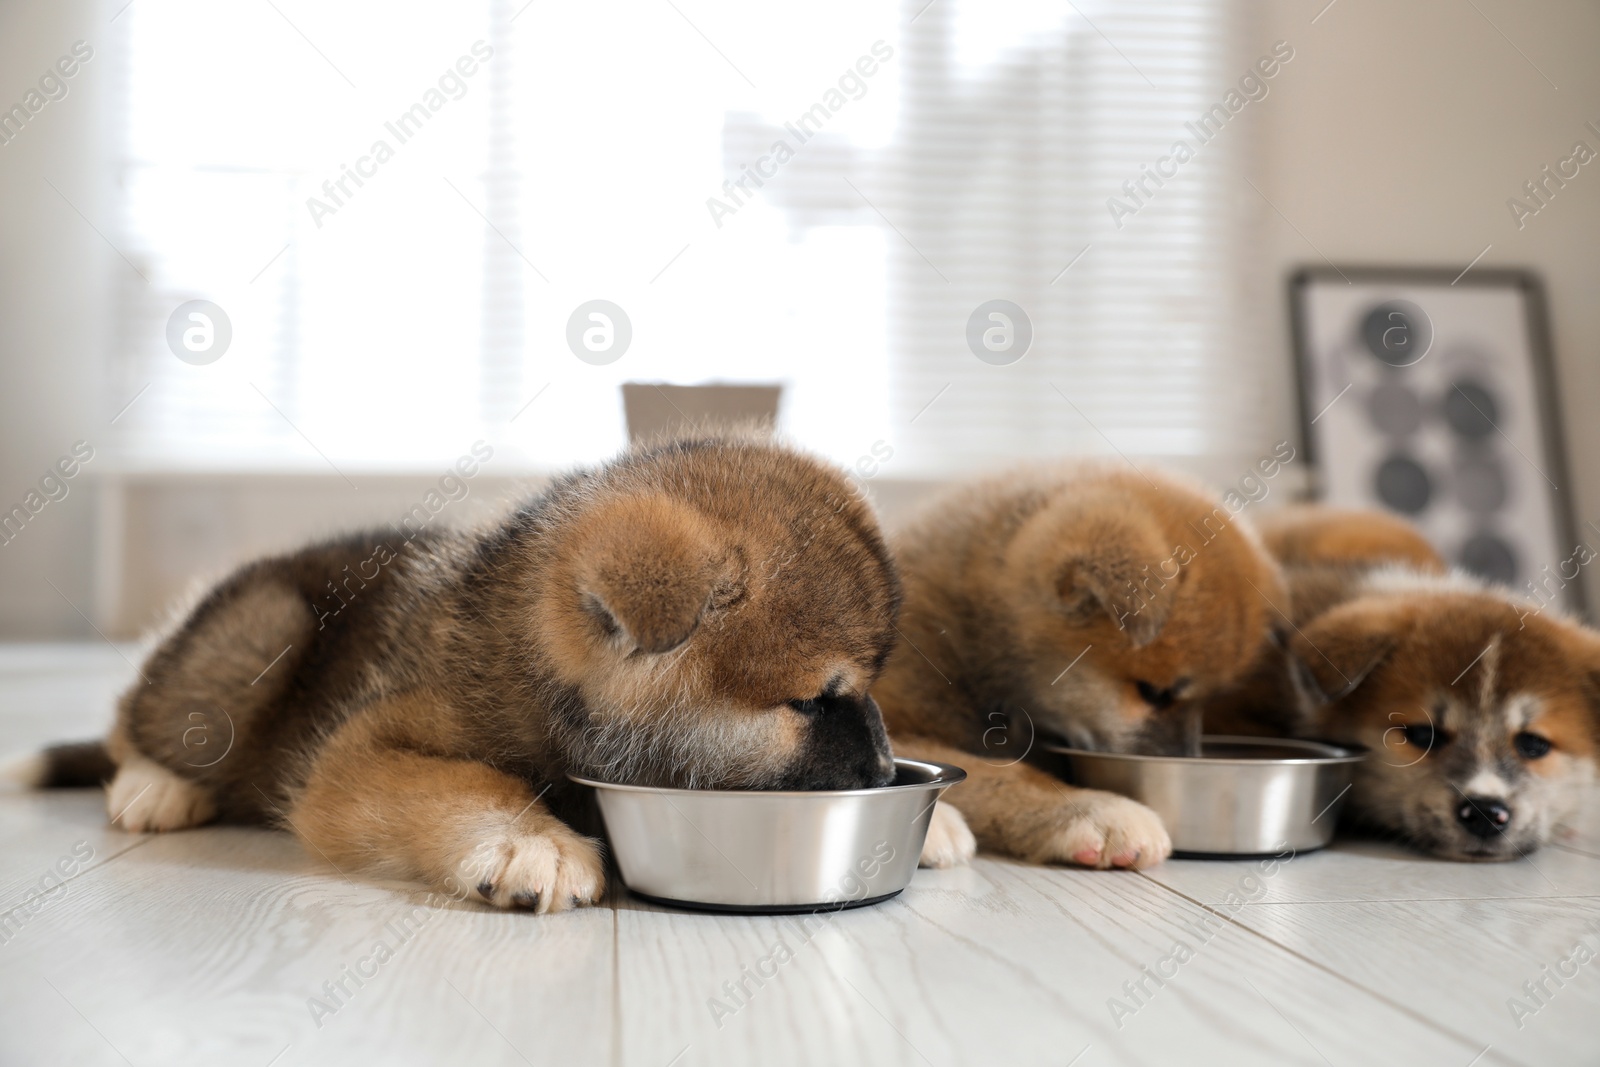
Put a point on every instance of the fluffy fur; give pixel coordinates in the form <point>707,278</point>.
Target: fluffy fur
<point>1087,603</point>
<point>1481,711</point>
<point>706,613</point>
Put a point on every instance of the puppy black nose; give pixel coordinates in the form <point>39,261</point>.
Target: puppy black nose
<point>1483,816</point>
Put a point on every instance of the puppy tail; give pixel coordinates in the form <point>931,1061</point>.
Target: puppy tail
<point>77,764</point>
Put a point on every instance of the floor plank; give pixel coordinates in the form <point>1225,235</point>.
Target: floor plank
<point>1372,870</point>
<point>208,946</point>
<point>1001,963</point>
<point>60,692</point>
<point>52,692</point>
<point>46,844</point>
<point>1461,962</point>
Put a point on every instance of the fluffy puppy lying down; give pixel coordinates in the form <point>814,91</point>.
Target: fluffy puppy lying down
<point>1092,604</point>
<point>709,613</point>
<point>1482,711</point>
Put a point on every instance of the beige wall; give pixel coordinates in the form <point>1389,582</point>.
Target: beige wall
<point>167,536</point>
<point>53,277</point>
<point>1395,136</point>
<point>176,534</point>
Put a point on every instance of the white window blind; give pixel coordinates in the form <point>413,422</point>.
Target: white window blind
<point>936,157</point>
<point>1021,122</point>
<point>359,334</point>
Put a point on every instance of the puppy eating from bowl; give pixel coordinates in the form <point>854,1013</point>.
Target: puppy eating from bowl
<point>1091,604</point>
<point>1481,710</point>
<point>708,613</point>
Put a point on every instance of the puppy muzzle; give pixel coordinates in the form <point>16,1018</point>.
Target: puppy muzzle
<point>844,747</point>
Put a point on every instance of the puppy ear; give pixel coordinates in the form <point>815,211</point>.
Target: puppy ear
<point>1133,595</point>
<point>1336,652</point>
<point>1585,659</point>
<point>1101,553</point>
<point>649,568</point>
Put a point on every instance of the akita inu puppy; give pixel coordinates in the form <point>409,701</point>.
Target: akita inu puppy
<point>1084,603</point>
<point>1481,709</point>
<point>1325,552</point>
<point>1316,535</point>
<point>706,613</point>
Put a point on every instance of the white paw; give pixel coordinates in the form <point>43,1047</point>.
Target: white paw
<point>949,842</point>
<point>549,870</point>
<point>1104,830</point>
<point>145,796</point>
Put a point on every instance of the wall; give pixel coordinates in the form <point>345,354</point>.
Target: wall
<point>53,279</point>
<point>1397,135</point>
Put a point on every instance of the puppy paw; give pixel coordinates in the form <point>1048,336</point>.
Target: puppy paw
<point>546,870</point>
<point>145,796</point>
<point>1103,830</point>
<point>949,842</point>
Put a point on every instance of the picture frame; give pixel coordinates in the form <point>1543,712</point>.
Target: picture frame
<point>1431,393</point>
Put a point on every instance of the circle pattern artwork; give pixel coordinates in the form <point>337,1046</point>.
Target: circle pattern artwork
<point>1471,411</point>
<point>1480,484</point>
<point>1404,485</point>
<point>1488,556</point>
<point>1440,444</point>
<point>1395,409</point>
<point>1397,333</point>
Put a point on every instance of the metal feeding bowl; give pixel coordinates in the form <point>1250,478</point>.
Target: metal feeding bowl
<point>772,851</point>
<point>1242,796</point>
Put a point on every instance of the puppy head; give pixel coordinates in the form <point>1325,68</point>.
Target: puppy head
<point>1165,595</point>
<point>1481,717</point>
<point>1327,554</point>
<point>721,608</point>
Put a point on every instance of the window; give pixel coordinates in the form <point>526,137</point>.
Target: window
<point>388,307</point>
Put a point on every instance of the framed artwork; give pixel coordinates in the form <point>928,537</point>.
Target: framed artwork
<point>1431,394</point>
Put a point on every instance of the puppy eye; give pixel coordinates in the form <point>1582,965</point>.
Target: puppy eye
<point>1531,745</point>
<point>807,707</point>
<point>1154,696</point>
<point>1421,734</point>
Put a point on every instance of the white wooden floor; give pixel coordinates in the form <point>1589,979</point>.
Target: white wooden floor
<point>205,947</point>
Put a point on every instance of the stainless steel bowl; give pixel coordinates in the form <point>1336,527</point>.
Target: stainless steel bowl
<point>1241,796</point>
<point>739,850</point>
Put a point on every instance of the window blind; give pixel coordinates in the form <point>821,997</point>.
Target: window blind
<point>319,172</point>
<point>1002,184</point>
<point>935,157</point>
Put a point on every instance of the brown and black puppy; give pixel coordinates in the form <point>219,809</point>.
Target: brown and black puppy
<point>1316,535</point>
<point>1087,603</point>
<point>1325,553</point>
<point>708,613</point>
<point>1482,713</point>
<point>1481,710</point>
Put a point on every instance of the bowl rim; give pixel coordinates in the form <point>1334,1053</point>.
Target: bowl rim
<point>1345,753</point>
<point>944,776</point>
